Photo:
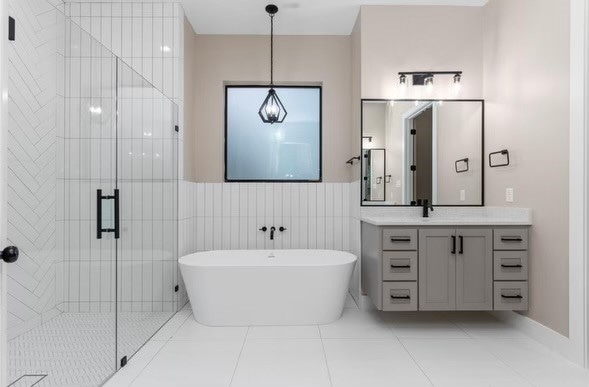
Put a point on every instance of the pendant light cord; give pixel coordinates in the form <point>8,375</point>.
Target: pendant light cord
<point>272,50</point>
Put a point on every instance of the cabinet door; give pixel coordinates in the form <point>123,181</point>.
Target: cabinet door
<point>437,269</point>
<point>474,269</point>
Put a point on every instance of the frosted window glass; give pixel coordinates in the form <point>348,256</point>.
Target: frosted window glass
<point>257,151</point>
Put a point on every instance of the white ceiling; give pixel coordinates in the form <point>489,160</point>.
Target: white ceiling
<point>295,17</point>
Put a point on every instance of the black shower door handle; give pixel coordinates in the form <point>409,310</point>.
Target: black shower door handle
<point>99,228</point>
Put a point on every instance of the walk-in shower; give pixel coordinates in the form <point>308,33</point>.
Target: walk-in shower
<point>92,204</point>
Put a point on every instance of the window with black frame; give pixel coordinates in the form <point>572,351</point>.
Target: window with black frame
<point>287,151</point>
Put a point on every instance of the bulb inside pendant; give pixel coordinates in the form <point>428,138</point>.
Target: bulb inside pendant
<point>272,110</point>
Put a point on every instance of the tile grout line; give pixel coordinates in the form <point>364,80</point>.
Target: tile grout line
<point>415,361</point>
<point>239,356</point>
<point>325,355</point>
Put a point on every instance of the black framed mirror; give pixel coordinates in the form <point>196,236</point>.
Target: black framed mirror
<point>410,149</point>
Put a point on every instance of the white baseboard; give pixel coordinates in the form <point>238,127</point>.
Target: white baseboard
<point>542,334</point>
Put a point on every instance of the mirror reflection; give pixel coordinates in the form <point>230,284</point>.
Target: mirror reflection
<point>414,151</point>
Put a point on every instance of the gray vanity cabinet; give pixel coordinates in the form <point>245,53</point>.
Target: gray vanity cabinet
<point>456,269</point>
<point>474,269</point>
<point>437,269</point>
<point>445,268</point>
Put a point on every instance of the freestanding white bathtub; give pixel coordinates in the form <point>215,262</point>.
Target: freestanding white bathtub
<point>267,287</point>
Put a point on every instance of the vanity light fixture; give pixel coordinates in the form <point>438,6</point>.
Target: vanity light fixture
<point>272,110</point>
<point>426,78</point>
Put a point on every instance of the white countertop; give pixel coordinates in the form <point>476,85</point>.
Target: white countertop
<point>448,216</point>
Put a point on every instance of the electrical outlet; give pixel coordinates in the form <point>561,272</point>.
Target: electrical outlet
<point>462,195</point>
<point>509,195</point>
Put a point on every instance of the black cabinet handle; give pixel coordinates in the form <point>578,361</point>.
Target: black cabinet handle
<point>512,266</point>
<point>401,266</point>
<point>400,297</point>
<point>264,229</point>
<point>461,251</point>
<point>400,239</point>
<point>282,229</point>
<point>453,245</point>
<point>512,297</point>
<point>10,254</point>
<point>511,239</point>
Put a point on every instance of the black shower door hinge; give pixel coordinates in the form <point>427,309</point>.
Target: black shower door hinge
<point>177,128</point>
<point>414,131</point>
<point>11,28</point>
<point>123,361</point>
<point>176,288</point>
<point>414,168</point>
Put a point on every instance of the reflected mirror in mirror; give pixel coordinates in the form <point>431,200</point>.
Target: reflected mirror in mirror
<point>416,150</point>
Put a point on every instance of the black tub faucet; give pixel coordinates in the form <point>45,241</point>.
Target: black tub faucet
<point>272,229</point>
<point>426,208</point>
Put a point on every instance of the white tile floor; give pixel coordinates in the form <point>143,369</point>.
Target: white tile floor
<point>362,349</point>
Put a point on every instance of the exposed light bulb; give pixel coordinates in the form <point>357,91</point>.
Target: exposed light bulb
<point>429,84</point>
<point>403,83</point>
<point>165,49</point>
<point>95,110</point>
<point>272,109</point>
<point>457,83</point>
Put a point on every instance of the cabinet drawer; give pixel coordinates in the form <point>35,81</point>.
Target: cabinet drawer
<point>510,239</point>
<point>510,266</point>
<point>511,295</point>
<point>399,239</point>
<point>399,296</point>
<point>399,266</point>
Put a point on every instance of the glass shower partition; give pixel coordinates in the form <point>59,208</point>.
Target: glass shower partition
<point>87,136</point>
<point>147,177</point>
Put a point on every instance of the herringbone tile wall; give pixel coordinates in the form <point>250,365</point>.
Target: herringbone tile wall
<point>32,129</point>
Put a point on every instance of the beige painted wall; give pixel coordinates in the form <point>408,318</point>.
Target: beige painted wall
<point>356,50</point>
<point>245,59</point>
<point>526,82</point>
<point>420,38</point>
<point>189,130</point>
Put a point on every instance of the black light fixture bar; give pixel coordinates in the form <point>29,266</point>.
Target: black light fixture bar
<point>419,77</point>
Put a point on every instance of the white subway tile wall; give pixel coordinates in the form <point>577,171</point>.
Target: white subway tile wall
<point>148,36</point>
<point>229,215</point>
<point>32,122</point>
<point>146,168</point>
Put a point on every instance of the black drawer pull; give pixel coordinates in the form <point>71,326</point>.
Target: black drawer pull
<point>400,266</point>
<point>400,297</point>
<point>400,239</point>
<point>512,297</point>
<point>511,266</point>
<point>511,239</point>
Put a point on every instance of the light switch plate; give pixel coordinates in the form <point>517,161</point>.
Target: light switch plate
<point>509,195</point>
<point>462,195</point>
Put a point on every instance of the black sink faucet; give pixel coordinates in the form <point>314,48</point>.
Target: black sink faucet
<point>426,208</point>
<point>272,229</point>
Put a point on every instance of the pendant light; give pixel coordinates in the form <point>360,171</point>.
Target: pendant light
<point>272,110</point>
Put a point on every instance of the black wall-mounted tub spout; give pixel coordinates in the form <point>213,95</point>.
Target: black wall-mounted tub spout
<point>272,229</point>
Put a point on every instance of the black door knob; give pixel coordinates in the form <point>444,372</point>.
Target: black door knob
<point>282,229</point>
<point>264,229</point>
<point>9,254</point>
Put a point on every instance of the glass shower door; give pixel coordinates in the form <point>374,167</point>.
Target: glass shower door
<point>147,177</point>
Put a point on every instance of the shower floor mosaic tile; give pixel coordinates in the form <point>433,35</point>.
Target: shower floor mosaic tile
<point>78,349</point>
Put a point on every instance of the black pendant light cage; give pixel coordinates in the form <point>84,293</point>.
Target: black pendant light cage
<point>272,110</point>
